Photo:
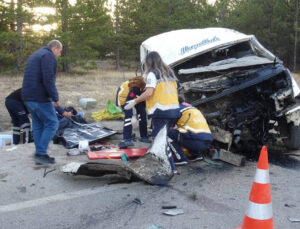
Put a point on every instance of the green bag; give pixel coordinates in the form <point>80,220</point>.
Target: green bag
<point>112,108</point>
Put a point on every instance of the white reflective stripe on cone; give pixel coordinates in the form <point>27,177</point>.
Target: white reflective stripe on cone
<point>262,176</point>
<point>127,124</point>
<point>127,120</point>
<point>259,211</point>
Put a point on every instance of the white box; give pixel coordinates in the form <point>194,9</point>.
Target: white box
<point>6,140</point>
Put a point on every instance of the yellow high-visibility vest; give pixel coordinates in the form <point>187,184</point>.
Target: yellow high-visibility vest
<point>164,97</point>
<point>122,93</point>
<point>192,120</point>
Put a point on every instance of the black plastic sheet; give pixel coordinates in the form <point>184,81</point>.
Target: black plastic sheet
<point>70,137</point>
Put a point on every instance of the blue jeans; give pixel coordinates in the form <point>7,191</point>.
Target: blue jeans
<point>45,124</point>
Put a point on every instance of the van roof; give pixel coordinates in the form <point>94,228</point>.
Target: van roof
<point>177,46</point>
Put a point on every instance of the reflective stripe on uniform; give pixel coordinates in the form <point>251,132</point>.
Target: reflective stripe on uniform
<point>188,128</point>
<point>162,107</point>
<point>22,113</point>
<point>26,140</point>
<point>27,124</point>
<point>186,108</point>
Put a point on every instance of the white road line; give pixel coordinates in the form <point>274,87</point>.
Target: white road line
<point>51,199</point>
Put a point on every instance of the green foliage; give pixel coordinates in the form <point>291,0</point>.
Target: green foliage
<point>140,19</point>
<point>84,30</point>
<point>271,21</point>
<point>89,33</point>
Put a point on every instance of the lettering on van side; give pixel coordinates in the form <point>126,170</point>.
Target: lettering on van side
<point>206,41</point>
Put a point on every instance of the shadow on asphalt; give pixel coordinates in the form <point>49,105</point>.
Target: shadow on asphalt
<point>279,158</point>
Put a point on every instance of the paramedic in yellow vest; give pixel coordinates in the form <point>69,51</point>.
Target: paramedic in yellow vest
<point>160,95</point>
<point>192,132</point>
<point>130,90</point>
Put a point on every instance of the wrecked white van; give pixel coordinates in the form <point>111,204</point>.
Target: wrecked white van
<point>248,97</point>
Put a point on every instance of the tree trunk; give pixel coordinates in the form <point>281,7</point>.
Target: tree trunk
<point>64,27</point>
<point>117,37</point>
<point>296,37</point>
<point>12,24</point>
<point>19,32</point>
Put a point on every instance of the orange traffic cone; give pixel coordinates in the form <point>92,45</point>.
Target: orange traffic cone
<point>259,214</point>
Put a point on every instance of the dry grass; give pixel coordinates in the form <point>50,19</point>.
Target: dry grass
<point>297,78</point>
<point>99,84</point>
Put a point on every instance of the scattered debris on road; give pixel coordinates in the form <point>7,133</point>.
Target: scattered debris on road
<point>154,167</point>
<point>294,220</point>
<point>174,212</point>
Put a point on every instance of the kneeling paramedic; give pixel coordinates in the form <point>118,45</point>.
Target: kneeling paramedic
<point>130,90</point>
<point>19,117</point>
<point>192,133</point>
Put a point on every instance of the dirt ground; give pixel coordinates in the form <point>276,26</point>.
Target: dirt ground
<point>98,84</point>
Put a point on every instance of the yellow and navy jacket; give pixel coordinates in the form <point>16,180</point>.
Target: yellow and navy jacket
<point>122,93</point>
<point>163,103</point>
<point>193,123</point>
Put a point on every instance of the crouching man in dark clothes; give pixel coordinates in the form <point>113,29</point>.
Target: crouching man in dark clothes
<point>40,95</point>
<point>192,132</point>
<point>19,117</point>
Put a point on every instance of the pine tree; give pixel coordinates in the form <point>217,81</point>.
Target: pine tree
<point>140,19</point>
<point>85,30</point>
<point>14,15</point>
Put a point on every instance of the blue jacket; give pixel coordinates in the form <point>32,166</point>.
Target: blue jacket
<point>40,76</point>
<point>59,112</point>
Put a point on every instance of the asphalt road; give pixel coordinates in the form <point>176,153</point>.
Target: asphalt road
<point>211,196</point>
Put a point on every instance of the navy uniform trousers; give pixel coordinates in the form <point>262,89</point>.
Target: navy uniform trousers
<point>141,113</point>
<point>19,119</point>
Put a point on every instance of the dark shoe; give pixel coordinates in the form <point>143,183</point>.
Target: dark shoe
<point>122,145</point>
<point>197,157</point>
<point>129,142</point>
<point>125,144</point>
<point>146,140</point>
<point>43,159</point>
<point>180,162</point>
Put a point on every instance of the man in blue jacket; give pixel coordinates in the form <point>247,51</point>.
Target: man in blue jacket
<point>40,95</point>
